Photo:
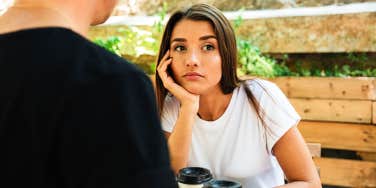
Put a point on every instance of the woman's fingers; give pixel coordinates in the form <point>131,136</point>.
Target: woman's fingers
<point>164,59</point>
<point>162,65</point>
<point>162,70</point>
<point>166,56</point>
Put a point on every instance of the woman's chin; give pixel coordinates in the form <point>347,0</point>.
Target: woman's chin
<point>193,90</point>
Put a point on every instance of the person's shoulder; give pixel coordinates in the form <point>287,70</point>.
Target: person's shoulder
<point>96,60</point>
<point>78,57</point>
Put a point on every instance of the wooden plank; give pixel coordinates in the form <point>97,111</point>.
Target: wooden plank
<point>362,88</point>
<point>328,87</point>
<point>314,149</point>
<point>340,135</point>
<point>349,173</point>
<point>374,112</point>
<point>334,110</point>
<point>367,156</point>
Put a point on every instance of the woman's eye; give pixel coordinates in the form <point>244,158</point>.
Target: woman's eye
<point>179,48</point>
<point>208,47</point>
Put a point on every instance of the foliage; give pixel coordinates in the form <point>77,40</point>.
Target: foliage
<point>357,58</point>
<point>131,41</point>
<point>333,70</point>
<point>134,41</point>
<point>252,62</point>
<point>112,44</point>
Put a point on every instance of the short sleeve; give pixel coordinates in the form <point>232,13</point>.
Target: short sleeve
<point>277,112</point>
<point>170,113</point>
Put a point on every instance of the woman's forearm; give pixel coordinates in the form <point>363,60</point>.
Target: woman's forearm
<point>179,142</point>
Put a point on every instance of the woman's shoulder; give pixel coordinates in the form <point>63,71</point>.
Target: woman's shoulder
<point>260,86</point>
<point>266,91</point>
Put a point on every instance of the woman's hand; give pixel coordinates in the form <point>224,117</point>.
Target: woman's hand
<point>179,141</point>
<point>188,100</point>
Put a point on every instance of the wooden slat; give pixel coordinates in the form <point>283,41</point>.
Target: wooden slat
<point>349,173</point>
<point>374,112</point>
<point>340,135</point>
<point>367,156</point>
<point>328,88</point>
<point>314,149</point>
<point>334,110</point>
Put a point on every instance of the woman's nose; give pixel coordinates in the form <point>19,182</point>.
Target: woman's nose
<point>192,59</point>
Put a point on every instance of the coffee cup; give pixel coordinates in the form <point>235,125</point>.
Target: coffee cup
<point>193,177</point>
<point>222,184</point>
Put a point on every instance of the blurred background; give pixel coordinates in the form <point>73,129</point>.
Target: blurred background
<point>321,53</point>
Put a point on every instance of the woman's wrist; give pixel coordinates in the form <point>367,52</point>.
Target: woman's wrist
<point>188,109</point>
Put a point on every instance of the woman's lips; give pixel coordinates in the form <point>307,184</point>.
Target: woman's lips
<point>192,76</point>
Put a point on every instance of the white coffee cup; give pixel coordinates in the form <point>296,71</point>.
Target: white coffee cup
<point>193,177</point>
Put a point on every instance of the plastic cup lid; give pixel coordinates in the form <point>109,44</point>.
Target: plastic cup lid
<point>222,184</point>
<point>194,175</point>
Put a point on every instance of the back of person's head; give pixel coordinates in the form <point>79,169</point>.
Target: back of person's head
<point>226,43</point>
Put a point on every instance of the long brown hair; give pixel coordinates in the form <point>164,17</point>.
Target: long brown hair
<point>226,44</point>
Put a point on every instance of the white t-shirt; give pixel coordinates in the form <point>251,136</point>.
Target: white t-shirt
<point>237,146</point>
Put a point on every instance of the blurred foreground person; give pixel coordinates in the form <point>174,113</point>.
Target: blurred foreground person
<point>71,113</point>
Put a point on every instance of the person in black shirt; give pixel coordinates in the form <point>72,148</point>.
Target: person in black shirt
<point>71,113</point>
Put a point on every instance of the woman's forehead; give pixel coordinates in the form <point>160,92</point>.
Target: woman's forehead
<point>192,29</point>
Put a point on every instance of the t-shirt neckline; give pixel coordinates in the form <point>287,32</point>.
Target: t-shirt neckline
<point>225,114</point>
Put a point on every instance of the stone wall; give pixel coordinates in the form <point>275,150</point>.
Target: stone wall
<point>330,33</point>
<point>146,7</point>
<point>304,34</point>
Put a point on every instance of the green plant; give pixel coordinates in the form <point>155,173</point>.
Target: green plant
<point>357,58</point>
<point>157,29</point>
<point>253,62</point>
<point>239,20</point>
<point>112,44</point>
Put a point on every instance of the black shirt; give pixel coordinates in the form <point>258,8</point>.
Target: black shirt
<point>74,115</point>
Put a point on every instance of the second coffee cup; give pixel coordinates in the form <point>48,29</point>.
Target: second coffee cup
<point>222,184</point>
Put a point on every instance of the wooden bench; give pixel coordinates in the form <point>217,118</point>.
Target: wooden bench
<point>339,114</point>
<point>343,136</point>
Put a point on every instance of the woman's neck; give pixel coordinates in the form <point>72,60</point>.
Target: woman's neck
<point>213,105</point>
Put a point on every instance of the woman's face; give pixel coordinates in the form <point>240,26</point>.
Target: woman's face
<point>196,61</point>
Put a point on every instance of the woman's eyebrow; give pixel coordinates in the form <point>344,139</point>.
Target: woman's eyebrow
<point>178,40</point>
<point>206,37</point>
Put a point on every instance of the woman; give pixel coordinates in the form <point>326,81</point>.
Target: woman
<point>239,130</point>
